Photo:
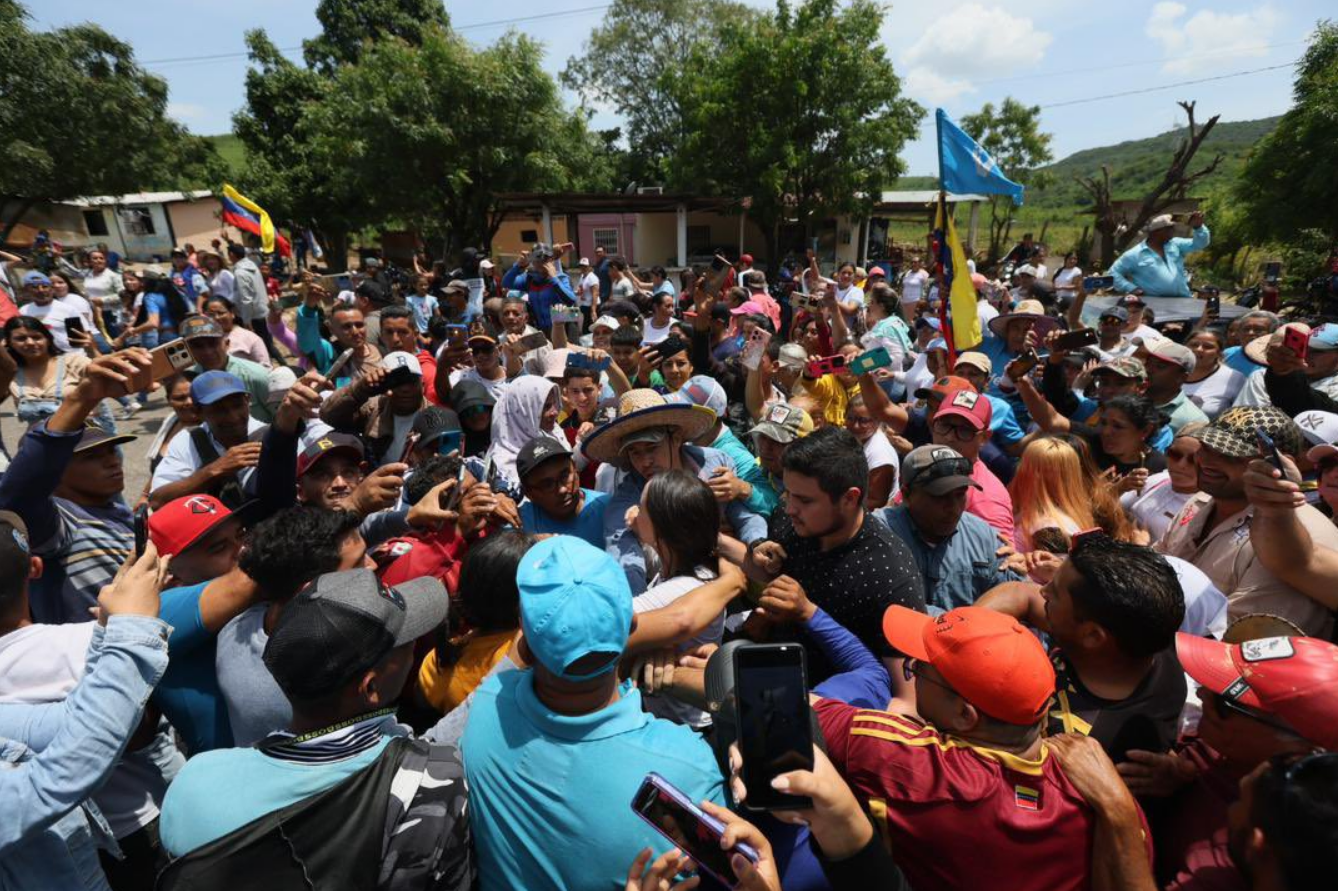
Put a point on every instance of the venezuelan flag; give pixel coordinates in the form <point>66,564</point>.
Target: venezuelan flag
<point>245,214</point>
<point>961,302</point>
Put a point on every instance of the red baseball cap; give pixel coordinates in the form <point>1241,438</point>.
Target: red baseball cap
<point>985,656</point>
<point>746,258</point>
<point>1294,678</point>
<point>967,404</point>
<point>182,522</point>
<point>877,270</point>
<point>944,386</point>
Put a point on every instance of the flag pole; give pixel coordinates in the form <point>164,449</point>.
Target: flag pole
<point>944,282</point>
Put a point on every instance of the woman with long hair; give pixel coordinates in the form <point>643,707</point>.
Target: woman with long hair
<point>1213,385</point>
<point>238,340</point>
<point>45,376</point>
<point>218,275</point>
<point>1049,490</point>
<point>1106,508</point>
<point>679,521</point>
<point>483,623</point>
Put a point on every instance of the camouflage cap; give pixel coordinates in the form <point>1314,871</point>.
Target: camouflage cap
<point>1126,367</point>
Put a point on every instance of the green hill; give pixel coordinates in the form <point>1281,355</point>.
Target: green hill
<point>1137,165</point>
<point>231,150</point>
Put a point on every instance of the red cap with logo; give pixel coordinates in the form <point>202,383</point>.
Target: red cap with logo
<point>180,523</point>
<point>988,657</point>
<point>1294,678</point>
<point>967,404</point>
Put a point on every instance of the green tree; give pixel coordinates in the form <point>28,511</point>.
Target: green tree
<point>1011,134</point>
<point>80,117</point>
<point>1288,184</point>
<point>802,112</point>
<point>638,62</point>
<point>462,126</point>
<point>349,26</point>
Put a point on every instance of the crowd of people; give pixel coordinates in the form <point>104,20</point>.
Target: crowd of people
<point>435,566</point>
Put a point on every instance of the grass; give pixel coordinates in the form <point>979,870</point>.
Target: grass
<point>231,150</point>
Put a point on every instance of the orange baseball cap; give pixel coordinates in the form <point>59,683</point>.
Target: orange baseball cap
<point>985,656</point>
<point>944,386</point>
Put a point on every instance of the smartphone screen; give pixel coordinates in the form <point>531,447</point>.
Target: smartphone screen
<point>692,831</point>
<point>775,736</point>
<point>141,529</point>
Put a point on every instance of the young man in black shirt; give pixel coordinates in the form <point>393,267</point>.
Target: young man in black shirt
<point>823,544</point>
<point>1112,611</point>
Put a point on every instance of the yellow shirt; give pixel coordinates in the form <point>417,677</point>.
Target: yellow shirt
<point>447,686</point>
<point>830,394</point>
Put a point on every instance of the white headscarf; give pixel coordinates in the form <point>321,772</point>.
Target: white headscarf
<point>515,421</point>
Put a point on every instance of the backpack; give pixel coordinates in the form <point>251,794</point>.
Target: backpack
<point>229,491</point>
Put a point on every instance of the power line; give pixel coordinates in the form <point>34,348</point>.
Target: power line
<point>1090,70</point>
<point>1183,83</point>
<point>221,57</point>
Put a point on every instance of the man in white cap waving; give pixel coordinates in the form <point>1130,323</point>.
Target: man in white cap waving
<point>1155,267</point>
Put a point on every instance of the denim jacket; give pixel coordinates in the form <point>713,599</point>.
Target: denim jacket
<point>54,755</point>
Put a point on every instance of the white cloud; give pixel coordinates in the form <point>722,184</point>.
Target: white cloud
<point>185,110</point>
<point>928,87</point>
<point>974,40</point>
<point>968,42</point>
<point>1208,39</point>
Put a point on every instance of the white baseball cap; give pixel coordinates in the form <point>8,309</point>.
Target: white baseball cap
<point>606,322</point>
<point>1320,429</point>
<point>391,361</point>
<point>1025,269</point>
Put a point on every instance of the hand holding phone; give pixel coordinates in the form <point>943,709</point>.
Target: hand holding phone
<point>775,733</point>
<point>1075,340</point>
<point>1268,448</point>
<point>141,529</point>
<point>756,346</point>
<point>693,831</point>
<point>870,360</point>
<point>1297,341</point>
<point>338,364</point>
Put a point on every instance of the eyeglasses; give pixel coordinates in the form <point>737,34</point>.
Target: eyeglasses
<point>911,669</point>
<point>1223,705</point>
<point>483,349</point>
<point>960,431</point>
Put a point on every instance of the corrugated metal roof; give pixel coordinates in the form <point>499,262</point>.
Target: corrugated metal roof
<point>141,198</point>
<point>924,196</point>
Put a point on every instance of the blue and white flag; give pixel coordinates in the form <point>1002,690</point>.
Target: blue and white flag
<point>966,168</point>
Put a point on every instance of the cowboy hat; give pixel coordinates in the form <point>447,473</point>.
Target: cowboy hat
<point>1027,309</point>
<point>645,409</point>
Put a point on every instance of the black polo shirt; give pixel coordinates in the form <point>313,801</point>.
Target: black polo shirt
<point>854,583</point>
<point>1147,719</point>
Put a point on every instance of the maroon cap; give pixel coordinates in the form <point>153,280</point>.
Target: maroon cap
<point>967,404</point>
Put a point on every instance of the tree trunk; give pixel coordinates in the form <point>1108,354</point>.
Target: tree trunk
<point>9,221</point>
<point>336,249</point>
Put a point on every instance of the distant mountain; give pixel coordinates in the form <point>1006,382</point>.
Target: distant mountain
<point>232,151</point>
<point>1137,165</point>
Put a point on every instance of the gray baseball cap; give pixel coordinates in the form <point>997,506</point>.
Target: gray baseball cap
<point>935,469</point>
<point>344,623</point>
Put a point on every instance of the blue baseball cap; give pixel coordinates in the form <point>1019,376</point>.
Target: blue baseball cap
<point>36,278</point>
<point>929,322</point>
<point>212,386</point>
<point>703,390</point>
<point>1324,337</point>
<point>574,601</point>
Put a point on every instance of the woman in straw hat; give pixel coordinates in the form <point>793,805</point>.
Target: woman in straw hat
<point>651,436</point>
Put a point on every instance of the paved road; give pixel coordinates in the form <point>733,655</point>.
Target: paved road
<point>144,425</point>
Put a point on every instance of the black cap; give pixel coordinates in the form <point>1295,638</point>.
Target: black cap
<point>94,436</point>
<point>536,452</point>
<point>470,394</point>
<point>372,292</point>
<point>344,623</point>
<point>433,422</point>
<point>720,312</point>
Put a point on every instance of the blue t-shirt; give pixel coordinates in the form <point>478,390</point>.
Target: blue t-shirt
<point>588,525</point>
<point>188,694</point>
<point>157,303</point>
<point>551,794</point>
<point>1235,358</point>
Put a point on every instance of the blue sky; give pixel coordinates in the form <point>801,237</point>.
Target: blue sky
<point>957,54</point>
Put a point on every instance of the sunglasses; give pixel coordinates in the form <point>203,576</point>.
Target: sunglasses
<point>483,349</point>
<point>1225,706</point>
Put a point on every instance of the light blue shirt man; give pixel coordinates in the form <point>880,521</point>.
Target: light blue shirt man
<point>1142,268</point>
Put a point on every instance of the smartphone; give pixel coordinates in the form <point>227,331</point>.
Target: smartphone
<point>870,360</point>
<point>805,302</point>
<point>1076,340</point>
<point>1214,306</point>
<point>828,365</point>
<point>1268,448</point>
<point>1297,341</point>
<point>452,499</point>
<point>141,529</point>
<point>167,360</point>
<point>448,442</point>
<point>588,363</point>
<point>754,348</point>
<point>1098,282</point>
<point>74,323</point>
<point>533,341</point>
<point>693,831</point>
<point>1272,272</point>
<point>1029,360</point>
<point>338,364</point>
<point>397,376</point>
<point>409,442</point>
<point>457,336</point>
<point>563,313</point>
<point>670,346</point>
<point>775,734</point>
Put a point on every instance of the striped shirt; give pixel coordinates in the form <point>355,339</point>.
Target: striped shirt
<point>959,815</point>
<point>81,546</point>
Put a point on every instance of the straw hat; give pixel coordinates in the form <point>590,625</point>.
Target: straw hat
<point>1257,350</point>
<point>643,410</point>
<point>1027,309</point>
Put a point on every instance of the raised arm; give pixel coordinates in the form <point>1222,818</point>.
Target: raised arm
<point>880,406</point>
<point>687,616</point>
<point>1281,541</point>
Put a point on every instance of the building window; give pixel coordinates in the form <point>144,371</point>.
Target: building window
<point>95,222</point>
<point>529,236</point>
<point>137,221</point>
<point>699,240</point>
<point>606,239</point>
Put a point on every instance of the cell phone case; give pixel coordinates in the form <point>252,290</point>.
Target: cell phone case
<point>167,360</point>
<point>753,350</point>
<point>711,823</point>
